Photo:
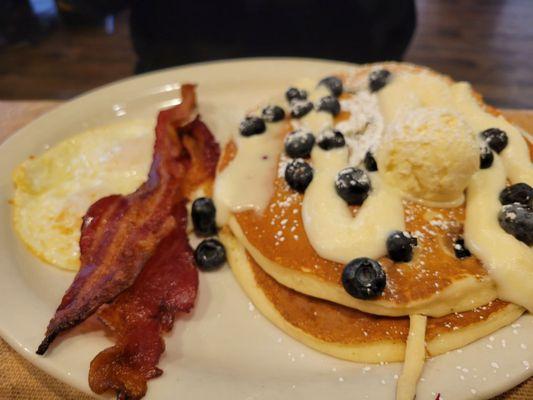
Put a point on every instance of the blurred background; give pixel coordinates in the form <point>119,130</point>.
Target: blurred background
<point>56,49</point>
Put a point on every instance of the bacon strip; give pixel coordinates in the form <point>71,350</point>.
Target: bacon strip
<point>167,285</point>
<point>120,233</point>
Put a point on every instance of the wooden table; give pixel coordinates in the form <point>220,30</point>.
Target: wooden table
<point>22,381</point>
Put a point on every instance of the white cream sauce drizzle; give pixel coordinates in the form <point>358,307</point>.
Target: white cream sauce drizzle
<point>515,156</point>
<point>247,182</point>
<point>509,261</point>
<point>331,228</point>
<point>333,231</point>
<point>415,355</point>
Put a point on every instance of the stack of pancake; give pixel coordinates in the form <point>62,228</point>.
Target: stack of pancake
<point>292,270</point>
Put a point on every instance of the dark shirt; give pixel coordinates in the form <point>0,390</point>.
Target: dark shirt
<point>174,32</point>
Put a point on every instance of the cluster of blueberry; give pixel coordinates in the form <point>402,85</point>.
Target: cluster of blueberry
<point>352,184</point>
<point>364,278</point>
<point>210,254</point>
<point>516,214</point>
<point>256,125</point>
<point>300,105</point>
<point>298,144</point>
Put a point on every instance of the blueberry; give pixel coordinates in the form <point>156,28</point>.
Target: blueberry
<point>517,220</point>
<point>209,255</point>
<point>460,249</point>
<point>334,85</point>
<point>378,79</point>
<point>273,113</point>
<point>518,193</point>
<point>203,214</point>
<point>363,278</point>
<point>298,175</point>
<point>329,104</point>
<point>485,157</point>
<point>353,185</point>
<point>400,246</point>
<point>293,93</point>
<point>252,126</point>
<point>495,138</point>
<point>299,144</point>
<point>370,162</point>
<point>331,139</point>
<point>300,108</point>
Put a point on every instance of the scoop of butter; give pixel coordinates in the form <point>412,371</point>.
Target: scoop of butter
<point>429,154</point>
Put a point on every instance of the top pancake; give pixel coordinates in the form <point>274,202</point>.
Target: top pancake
<point>434,283</point>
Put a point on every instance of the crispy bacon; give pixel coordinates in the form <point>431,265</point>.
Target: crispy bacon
<point>120,233</point>
<point>167,285</point>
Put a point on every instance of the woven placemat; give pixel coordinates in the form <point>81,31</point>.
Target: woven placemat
<point>20,380</point>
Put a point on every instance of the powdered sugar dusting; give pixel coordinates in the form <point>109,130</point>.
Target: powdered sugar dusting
<point>363,129</point>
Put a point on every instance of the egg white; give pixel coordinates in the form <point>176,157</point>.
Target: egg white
<point>54,190</point>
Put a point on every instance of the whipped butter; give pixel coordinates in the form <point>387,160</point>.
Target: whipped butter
<point>430,154</point>
<point>408,91</point>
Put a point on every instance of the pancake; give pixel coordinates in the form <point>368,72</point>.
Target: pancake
<point>442,281</point>
<point>350,334</point>
<point>434,283</point>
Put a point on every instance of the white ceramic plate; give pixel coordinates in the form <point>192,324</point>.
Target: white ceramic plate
<point>225,349</point>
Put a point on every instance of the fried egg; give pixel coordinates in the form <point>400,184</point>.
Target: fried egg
<point>54,190</point>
